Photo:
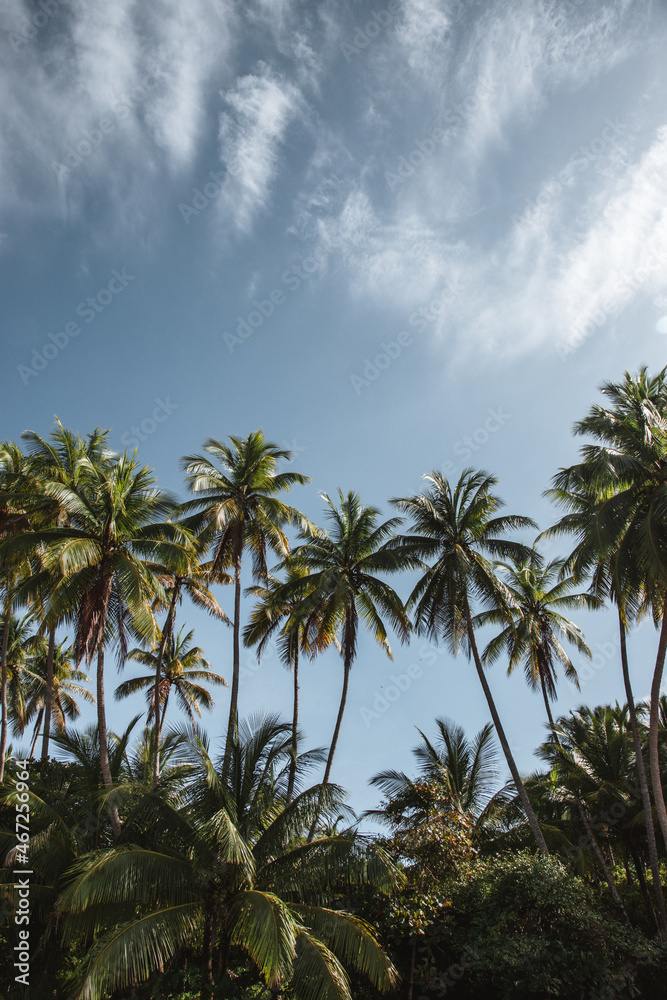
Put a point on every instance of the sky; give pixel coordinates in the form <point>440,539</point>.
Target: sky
<point>397,236</point>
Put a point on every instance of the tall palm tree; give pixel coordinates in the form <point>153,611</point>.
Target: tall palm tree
<point>18,639</point>
<point>457,528</point>
<point>14,520</point>
<point>63,459</point>
<point>238,508</point>
<point>115,533</point>
<point>192,583</point>
<point>532,636</point>
<point>619,579</point>
<point>272,616</point>
<point>55,699</point>
<point>185,669</point>
<point>534,632</point>
<point>591,754</point>
<point>614,499</point>
<point>229,869</point>
<point>340,588</point>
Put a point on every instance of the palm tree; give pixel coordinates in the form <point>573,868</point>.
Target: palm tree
<point>185,669</point>
<point>13,521</point>
<point>238,508</point>
<point>613,499</point>
<point>193,583</point>
<point>457,529</point>
<point>534,632</point>
<point>64,459</point>
<point>104,557</point>
<point>272,615</point>
<point>339,586</point>
<point>54,699</point>
<point>229,870</point>
<point>532,636</point>
<point>18,640</point>
<point>592,758</point>
<point>465,770</point>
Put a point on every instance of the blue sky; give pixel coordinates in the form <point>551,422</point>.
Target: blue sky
<point>397,236</point>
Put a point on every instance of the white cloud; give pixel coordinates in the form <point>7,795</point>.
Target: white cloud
<point>570,268</point>
<point>251,134</point>
<point>78,68</point>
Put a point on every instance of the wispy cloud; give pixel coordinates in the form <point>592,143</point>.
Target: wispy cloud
<point>572,262</point>
<point>80,67</point>
<point>261,106</point>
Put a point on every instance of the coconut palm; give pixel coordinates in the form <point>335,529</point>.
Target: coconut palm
<point>239,508</point>
<point>532,636</point>
<point>229,870</point>
<point>18,640</point>
<point>66,685</point>
<point>591,756</point>
<point>614,503</point>
<point>15,565</point>
<point>275,617</point>
<point>192,583</point>
<point>184,668</point>
<point>64,459</point>
<point>104,556</point>
<point>341,588</point>
<point>618,579</point>
<point>534,633</point>
<point>458,528</point>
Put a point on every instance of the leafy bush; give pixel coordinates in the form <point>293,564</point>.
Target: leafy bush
<point>523,926</point>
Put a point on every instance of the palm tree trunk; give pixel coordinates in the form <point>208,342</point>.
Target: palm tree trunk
<point>35,732</point>
<point>3,683</point>
<point>334,739</point>
<point>413,958</point>
<point>48,694</point>
<point>295,722</point>
<point>654,861</point>
<point>232,722</point>
<point>511,763</point>
<point>102,720</point>
<point>209,934</point>
<point>641,877</point>
<point>654,727</point>
<point>581,809</point>
<point>102,731</point>
<point>156,691</point>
